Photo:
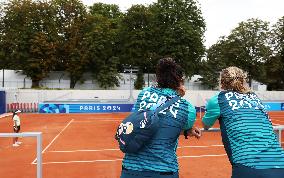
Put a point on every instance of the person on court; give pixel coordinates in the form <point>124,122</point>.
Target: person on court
<point>247,132</point>
<point>16,127</point>
<point>158,158</point>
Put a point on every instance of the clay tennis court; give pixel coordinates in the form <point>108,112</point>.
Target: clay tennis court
<point>83,146</point>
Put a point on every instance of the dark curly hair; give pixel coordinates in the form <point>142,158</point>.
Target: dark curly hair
<point>169,74</point>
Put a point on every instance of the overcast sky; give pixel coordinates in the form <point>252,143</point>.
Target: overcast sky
<point>221,16</point>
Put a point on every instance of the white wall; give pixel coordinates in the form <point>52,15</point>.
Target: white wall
<point>92,93</point>
<point>59,79</point>
<point>196,97</point>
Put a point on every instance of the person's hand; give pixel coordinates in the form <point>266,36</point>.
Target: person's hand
<point>181,90</point>
<point>195,132</point>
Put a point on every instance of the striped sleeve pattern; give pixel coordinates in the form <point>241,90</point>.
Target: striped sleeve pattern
<point>212,111</point>
<point>251,139</point>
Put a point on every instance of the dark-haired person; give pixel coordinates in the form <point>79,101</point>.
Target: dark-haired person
<point>16,127</point>
<point>247,133</point>
<point>158,158</point>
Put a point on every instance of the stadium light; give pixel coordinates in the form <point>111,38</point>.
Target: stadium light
<point>130,69</point>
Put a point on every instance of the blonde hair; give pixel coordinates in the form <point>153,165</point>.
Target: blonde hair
<point>234,78</point>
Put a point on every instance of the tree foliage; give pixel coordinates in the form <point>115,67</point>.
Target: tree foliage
<point>275,65</point>
<point>28,38</point>
<point>70,17</point>
<point>135,36</point>
<point>112,78</point>
<point>247,47</point>
<point>39,36</point>
<point>217,59</point>
<point>178,28</point>
<point>251,47</point>
<point>102,40</point>
<point>139,83</point>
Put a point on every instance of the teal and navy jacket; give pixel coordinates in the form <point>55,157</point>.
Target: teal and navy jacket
<point>160,153</point>
<point>246,130</point>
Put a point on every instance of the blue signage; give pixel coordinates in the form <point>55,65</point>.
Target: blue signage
<point>273,106</point>
<point>110,108</point>
<point>84,108</point>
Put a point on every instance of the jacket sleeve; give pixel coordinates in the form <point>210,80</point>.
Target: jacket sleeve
<point>191,117</point>
<point>212,112</point>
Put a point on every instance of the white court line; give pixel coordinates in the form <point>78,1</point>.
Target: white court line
<point>201,156</point>
<point>281,121</point>
<point>98,120</point>
<point>54,139</point>
<point>200,146</point>
<point>91,161</point>
<point>112,160</point>
<point>72,151</point>
<point>273,118</point>
<point>6,115</point>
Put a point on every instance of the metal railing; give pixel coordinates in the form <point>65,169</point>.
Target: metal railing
<point>38,136</point>
<point>277,129</point>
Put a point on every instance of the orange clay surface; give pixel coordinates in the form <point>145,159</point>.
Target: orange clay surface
<point>83,146</point>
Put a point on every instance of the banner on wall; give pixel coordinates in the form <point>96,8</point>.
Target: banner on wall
<point>110,108</point>
<point>274,106</point>
<point>84,108</point>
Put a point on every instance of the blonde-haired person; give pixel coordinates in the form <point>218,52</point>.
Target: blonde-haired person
<point>247,133</point>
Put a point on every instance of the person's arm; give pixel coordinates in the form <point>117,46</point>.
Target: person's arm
<point>193,132</point>
<point>189,128</point>
<point>212,112</point>
<point>15,123</point>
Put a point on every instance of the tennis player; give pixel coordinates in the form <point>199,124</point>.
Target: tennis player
<point>247,133</point>
<point>158,158</point>
<point>16,127</point>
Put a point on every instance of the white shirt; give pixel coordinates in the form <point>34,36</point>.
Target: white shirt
<point>16,120</point>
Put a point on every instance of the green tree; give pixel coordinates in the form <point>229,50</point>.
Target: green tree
<point>72,51</point>
<point>275,65</point>
<point>102,40</point>
<point>250,47</point>
<point>247,47</point>
<point>110,11</point>
<point>3,57</point>
<point>215,62</point>
<point>135,37</point>
<point>28,35</point>
<point>108,76</point>
<point>139,83</point>
<point>178,31</point>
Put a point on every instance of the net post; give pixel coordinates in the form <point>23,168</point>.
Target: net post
<point>38,135</point>
<point>200,113</point>
<point>280,135</point>
<point>39,155</point>
<point>277,130</point>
